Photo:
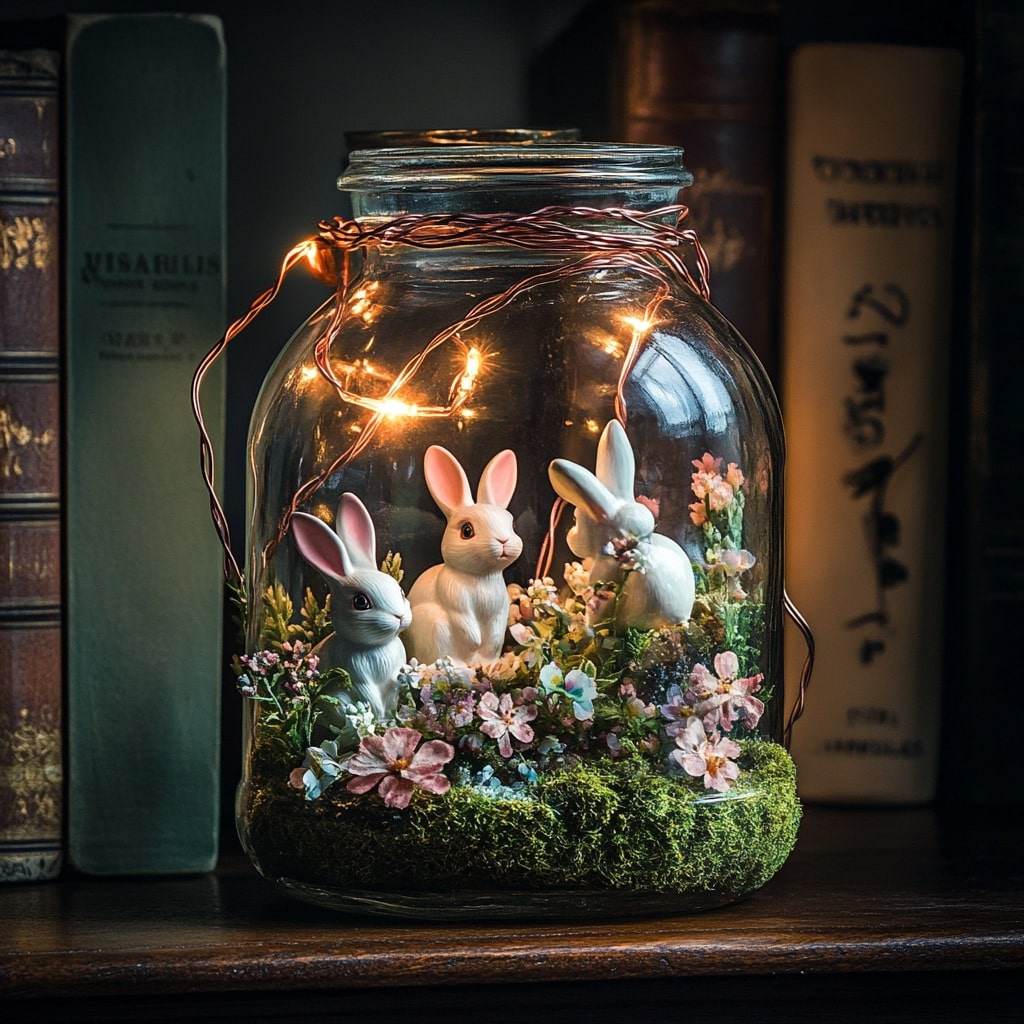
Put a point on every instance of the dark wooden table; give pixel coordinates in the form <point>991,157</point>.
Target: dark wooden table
<point>889,915</point>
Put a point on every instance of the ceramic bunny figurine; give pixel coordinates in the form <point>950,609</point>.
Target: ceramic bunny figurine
<point>460,608</point>
<point>607,512</point>
<point>368,607</point>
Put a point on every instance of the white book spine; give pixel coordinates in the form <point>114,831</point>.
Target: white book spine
<point>870,213</point>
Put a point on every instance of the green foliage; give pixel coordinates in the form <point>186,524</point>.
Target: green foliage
<point>593,826</point>
<point>316,621</point>
<point>277,627</point>
<point>635,643</point>
<point>741,622</point>
<point>284,677</point>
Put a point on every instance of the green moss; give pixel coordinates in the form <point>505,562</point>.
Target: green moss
<point>595,826</point>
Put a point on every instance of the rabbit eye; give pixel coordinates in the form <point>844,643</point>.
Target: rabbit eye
<point>466,531</point>
<point>361,603</point>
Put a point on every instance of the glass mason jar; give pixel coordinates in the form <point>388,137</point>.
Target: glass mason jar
<point>514,559</point>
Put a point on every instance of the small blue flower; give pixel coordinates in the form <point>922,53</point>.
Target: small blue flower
<point>577,685</point>
<point>320,769</point>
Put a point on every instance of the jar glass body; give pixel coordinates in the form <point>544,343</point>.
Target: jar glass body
<point>618,750</point>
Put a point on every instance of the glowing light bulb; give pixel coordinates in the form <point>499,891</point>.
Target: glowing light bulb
<point>392,407</point>
<point>638,324</point>
<point>470,371</point>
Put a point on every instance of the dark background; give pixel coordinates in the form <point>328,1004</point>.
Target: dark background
<point>301,74</point>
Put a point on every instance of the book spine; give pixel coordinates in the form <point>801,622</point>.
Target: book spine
<point>145,301</point>
<point>31,758</point>
<point>867,319</point>
<point>705,76</point>
<point>989,605</point>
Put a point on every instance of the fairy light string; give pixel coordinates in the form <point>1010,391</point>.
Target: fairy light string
<point>652,244</point>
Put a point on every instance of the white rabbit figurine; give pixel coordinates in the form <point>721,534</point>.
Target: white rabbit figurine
<point>368,607</point>
<point>606,512</point>
<point>460,608</point>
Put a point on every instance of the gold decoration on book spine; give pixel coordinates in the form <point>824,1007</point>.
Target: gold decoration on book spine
<point>15,439</point>
<point>24,243</point>
<point>30,773</point>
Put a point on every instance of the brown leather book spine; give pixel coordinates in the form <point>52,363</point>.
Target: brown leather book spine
<point>31,776</point>
<point>705,76</point>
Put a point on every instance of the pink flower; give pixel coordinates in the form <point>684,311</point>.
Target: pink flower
<point>707,466</point>
<point>650,503</point>
<point>714,491</point>
<point>502,721</point>
<point>677,712</point>
<point>720,494</point>
<point>699,754</point>
<point>722,699</point>
<point>393,762</point>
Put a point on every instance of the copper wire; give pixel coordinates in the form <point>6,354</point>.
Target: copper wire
<point>805,673</point>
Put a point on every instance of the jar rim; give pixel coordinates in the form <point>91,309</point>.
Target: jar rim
<point>486,166</point>
<point>412,138</point>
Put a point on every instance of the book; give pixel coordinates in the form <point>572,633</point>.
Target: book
<point>987,607</point>
<point>145,245</point>
<point>706,76</point>
<point>867,316</point>
<point>31,678</point>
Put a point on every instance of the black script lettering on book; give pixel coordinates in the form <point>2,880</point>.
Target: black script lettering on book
<point>885,310</point>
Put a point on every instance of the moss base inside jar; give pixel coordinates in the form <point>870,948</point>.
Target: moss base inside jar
<point>611,837</point>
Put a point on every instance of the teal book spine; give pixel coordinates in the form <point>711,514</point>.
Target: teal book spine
<point>145,299</point>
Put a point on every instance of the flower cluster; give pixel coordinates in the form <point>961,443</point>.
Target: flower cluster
<point>293,668</point>
<point>697,717</point>
<point>288,681</point>
<point>630,552</point>
<point>501,711</point>
<point>395,764</point>
<point>543,625</point>
<point>718,513</point>
<point>716,495</point>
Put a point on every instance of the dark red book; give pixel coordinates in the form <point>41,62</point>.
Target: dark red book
<point>705,76</point>
<point>31,766</point>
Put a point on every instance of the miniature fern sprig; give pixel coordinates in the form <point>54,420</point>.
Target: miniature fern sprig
<point>278,627</point>
<point>316,620</point>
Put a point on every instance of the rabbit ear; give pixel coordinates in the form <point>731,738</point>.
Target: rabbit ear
<point>355,526</point>
<point>583,489</point>
<point>616,465</point>
<point>320,546</point>
<point>446,479</point>
<point>498,480</point>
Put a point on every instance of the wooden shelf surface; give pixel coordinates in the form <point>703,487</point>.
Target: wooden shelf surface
<point>902,900</point>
